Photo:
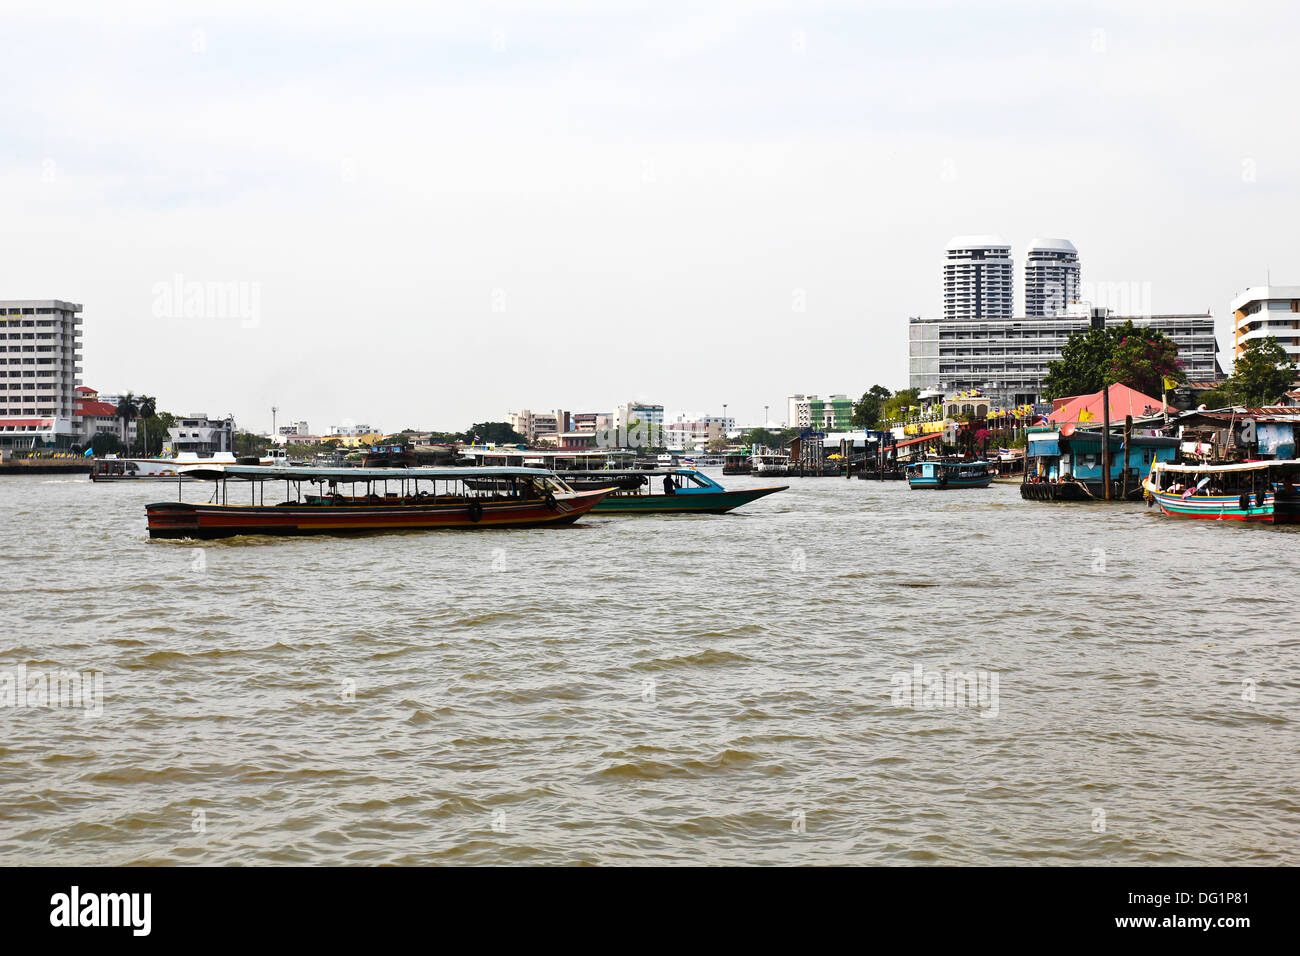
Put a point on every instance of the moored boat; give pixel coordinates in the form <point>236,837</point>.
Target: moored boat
<point>112,468</point>
<point>692,492</point>
<point>769,463</point>
<point>949,474</point>
<point>392,499</point>
<point>736,463</point>
<point>1256,491</point>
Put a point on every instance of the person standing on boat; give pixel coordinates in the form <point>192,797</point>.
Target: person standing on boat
<point>669,487</point>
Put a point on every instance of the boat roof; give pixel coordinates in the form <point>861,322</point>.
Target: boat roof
<point>618,472</point>
<point>1286,464</point>
<point>312,473</point>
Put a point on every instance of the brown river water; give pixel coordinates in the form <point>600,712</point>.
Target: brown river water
<point>847,672</point>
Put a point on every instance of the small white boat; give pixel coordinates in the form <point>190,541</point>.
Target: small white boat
<point>770,463</point>
<point>112,468</point>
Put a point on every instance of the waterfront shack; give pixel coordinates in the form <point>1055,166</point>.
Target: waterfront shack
<point>1238,434</point>
<point>1066,464</point>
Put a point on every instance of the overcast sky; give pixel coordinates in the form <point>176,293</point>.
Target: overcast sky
<point>438,213</point>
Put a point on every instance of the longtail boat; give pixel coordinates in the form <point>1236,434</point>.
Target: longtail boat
<point>387,499</point>
<point>1259,491</point>
<point>944,474</point>
<point>646,492</point>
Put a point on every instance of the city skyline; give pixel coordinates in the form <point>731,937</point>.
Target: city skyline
<point>711,207</point>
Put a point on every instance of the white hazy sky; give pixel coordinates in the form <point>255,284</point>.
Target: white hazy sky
<point>449,211</point>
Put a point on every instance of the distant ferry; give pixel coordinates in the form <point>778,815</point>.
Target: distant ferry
<point>769,463</point>
<point>736,463</point>
<point>949,474</point>
<point>112,468</point>
<point>1257,491</point>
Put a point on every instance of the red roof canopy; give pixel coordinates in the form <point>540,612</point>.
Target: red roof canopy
<point>104,409</point>
<point>1123,401</point>
<point>917,440</point>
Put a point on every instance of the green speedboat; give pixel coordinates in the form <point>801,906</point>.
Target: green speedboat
<point>663,491</point>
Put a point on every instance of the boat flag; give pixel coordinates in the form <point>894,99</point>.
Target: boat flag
<point>1086,416</point>
<point>1170,383</point>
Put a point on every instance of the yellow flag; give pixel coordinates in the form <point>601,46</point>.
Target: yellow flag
<point>1086,416</point>
<point>1170,383</point>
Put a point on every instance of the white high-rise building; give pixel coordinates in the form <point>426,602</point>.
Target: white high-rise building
<point>978,279</point>
<point>39,373</point>
<point>40,355</point>
<point>1267,310</point>
<point>642,412</point>
<point>1051,277</point>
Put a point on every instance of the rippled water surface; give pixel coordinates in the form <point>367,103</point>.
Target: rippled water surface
<point>715,689</point>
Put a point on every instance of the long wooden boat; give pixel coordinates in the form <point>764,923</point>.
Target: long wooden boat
<point>942,475</point>
<point>1256,491</point>
<point>387,499</point>
<point>646,492</point>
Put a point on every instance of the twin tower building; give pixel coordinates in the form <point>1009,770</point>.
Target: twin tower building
<point>979,278</point>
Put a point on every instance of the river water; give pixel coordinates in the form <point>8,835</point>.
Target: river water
<point>753,687</point>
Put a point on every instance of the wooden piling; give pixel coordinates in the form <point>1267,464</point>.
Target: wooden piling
<point>1128,455</point>
<point>1105,440</point>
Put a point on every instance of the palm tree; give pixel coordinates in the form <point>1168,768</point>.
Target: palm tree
<point>127,409</point>
<point>147,407</point>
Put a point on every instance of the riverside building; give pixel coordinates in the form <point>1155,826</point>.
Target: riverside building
<point>1008,358</point>
<point>834,413</point>
<point>1267,310</point>
<point>40,348</point>
<point>978,278</point>
<point>1051,276</point>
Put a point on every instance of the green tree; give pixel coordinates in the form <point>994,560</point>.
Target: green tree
<point>896,407</point>
<point>1081,369</point>
<point>1143,359</point>
<point>246,443</point>
<point>1261,374</point>
<point>866,411</point>
<point>769,438</point>
<point>155,428</point>
<point>499,433</point>
<point>1134,356</point>
<point>145,406</point>
<point>106,443</point>
<point>127,409</point>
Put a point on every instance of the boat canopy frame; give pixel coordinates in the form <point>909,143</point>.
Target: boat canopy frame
<point>1284,465</point>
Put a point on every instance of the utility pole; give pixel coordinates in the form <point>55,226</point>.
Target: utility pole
<point>274,409</point>
<point>1105,440</point>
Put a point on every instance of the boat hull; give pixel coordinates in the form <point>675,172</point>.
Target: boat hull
<point>684,502</point>
<point>208,521</point>
<point>1228,508</point>
<point>1077,491</point>
<point>937,485</point>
